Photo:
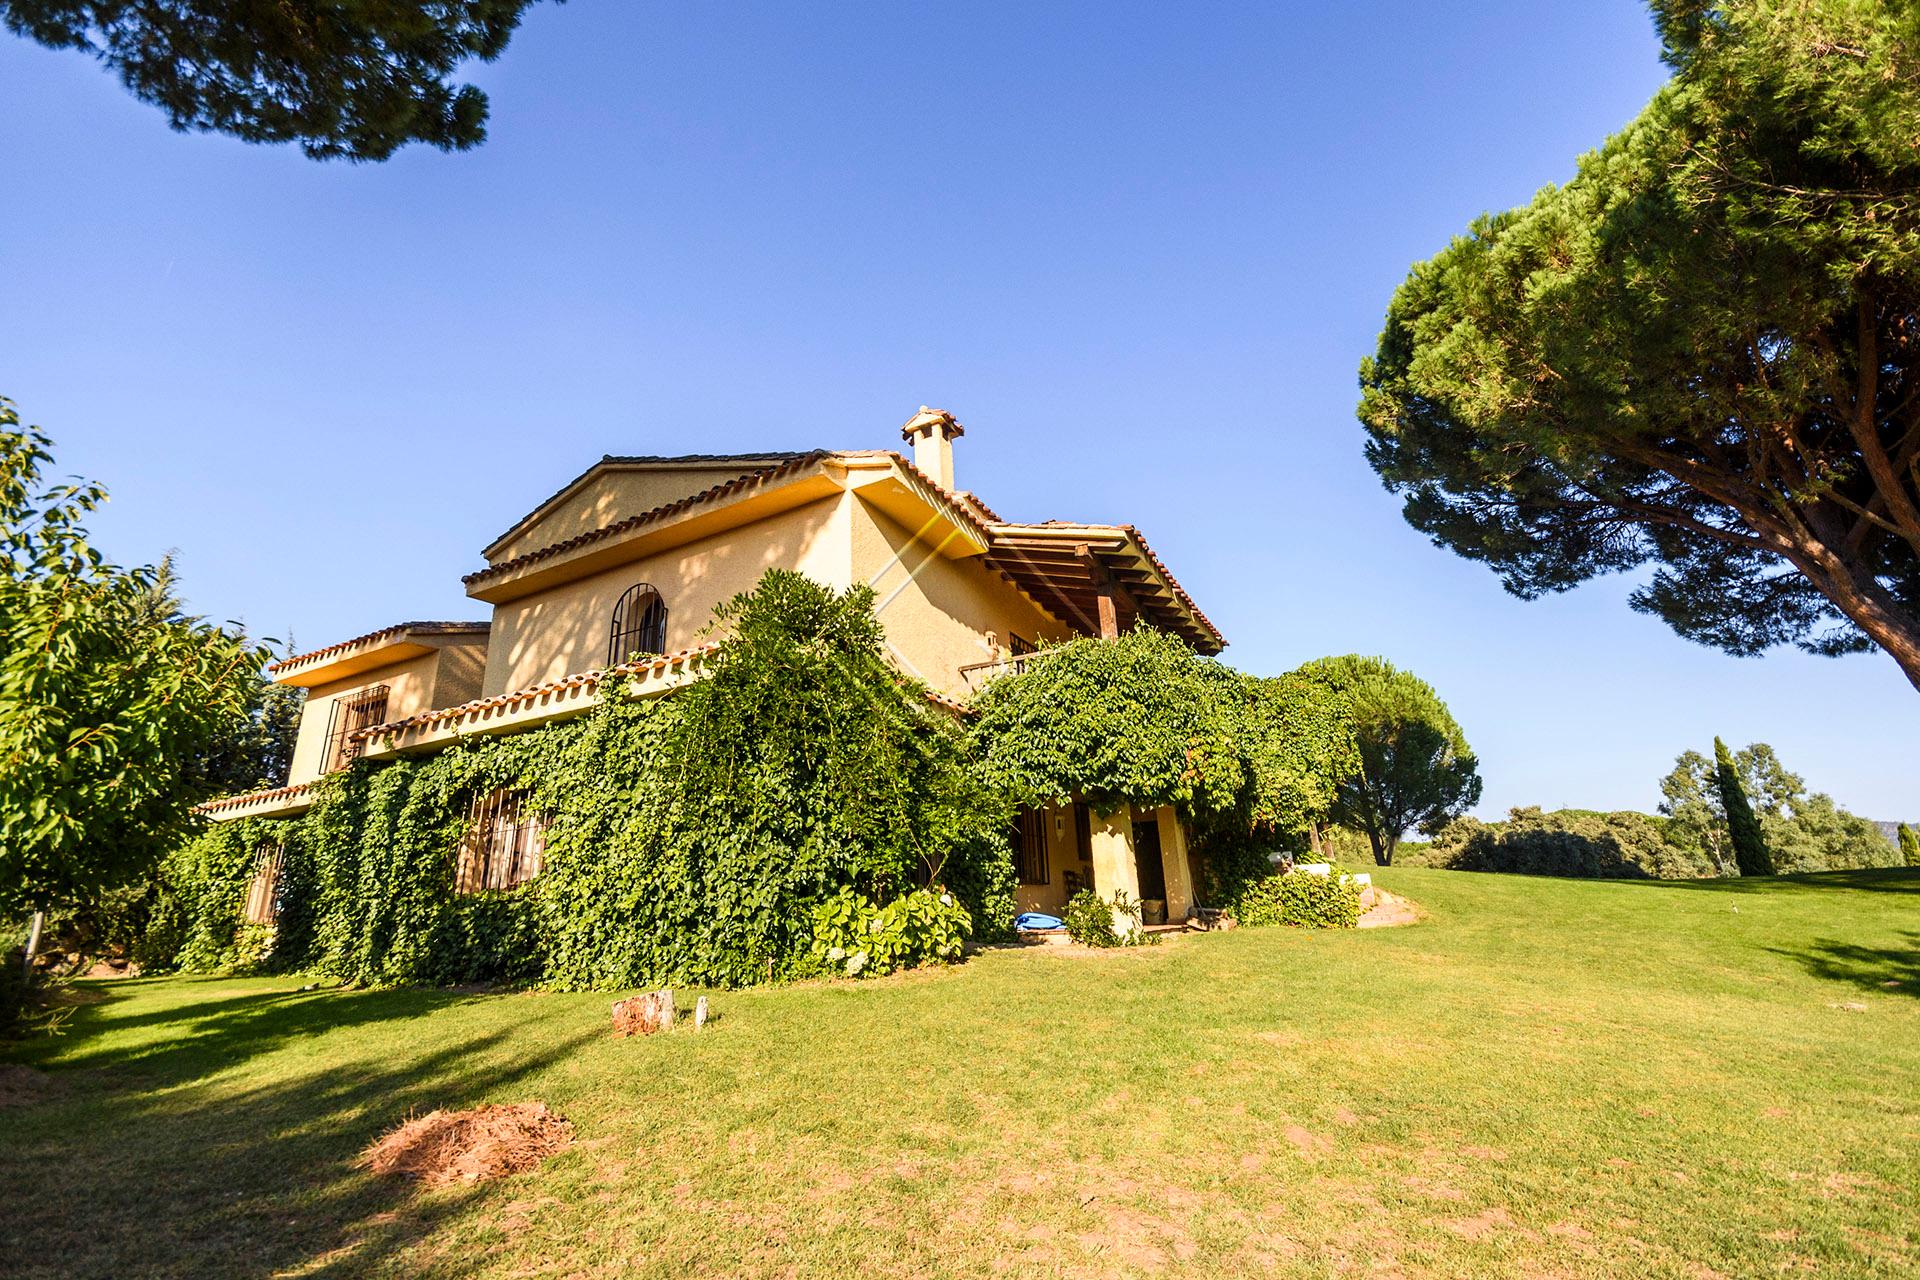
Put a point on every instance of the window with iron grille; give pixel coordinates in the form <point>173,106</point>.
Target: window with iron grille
<point>263,893</point>
<point>503,844</point>
<point>1019,646</point>
<point>1030,846</point>
<point>355,711</point>
<point>639,625</point>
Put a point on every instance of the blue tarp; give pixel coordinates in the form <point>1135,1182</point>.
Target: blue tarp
<point>1035,920</point>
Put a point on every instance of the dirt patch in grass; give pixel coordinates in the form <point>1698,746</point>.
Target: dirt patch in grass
<point>1389,910</point>
<point>444,1147</point>
<point>23,1086</point>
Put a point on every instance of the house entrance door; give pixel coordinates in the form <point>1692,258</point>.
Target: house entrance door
<point>1146,858</point>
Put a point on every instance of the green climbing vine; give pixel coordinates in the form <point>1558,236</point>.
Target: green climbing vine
<point>688,839</point>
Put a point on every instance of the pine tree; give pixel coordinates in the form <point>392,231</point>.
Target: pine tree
<point>1909,846</point>
<point>1743,829</point>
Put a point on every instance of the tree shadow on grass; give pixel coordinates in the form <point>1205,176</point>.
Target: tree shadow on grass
<point>1872,880</point>
<point>216,1034</point>
<point>190,1178</point>
<point>1893,970</point>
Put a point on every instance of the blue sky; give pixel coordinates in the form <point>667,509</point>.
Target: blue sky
<point>1139,249</point>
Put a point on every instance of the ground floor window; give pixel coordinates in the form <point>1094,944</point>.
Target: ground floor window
<point>1030,846</point>
<point>504,842</point>
<point>263,891</point>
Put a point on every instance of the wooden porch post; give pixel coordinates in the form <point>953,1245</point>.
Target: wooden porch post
<point>1107,594</point>
<point>1114,867</point>
<point>1173,858</point>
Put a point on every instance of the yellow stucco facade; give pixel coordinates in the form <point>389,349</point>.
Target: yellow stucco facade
<point>958,592</point>
<point>416,670</point>
<point>566,627</point>
<point>615,488</point>
<point>1113,855</point>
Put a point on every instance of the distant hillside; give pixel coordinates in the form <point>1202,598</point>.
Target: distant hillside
<point>1891,830</point>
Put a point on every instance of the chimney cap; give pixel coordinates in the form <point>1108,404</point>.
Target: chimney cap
<point>927,419</point>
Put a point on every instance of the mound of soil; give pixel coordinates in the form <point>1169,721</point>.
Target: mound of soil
<point>23,1086</point>
<point>444,1147</point>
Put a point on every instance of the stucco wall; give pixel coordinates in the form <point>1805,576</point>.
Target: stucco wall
<point>409,690</point>
<point>462,671</point>
<point>446,677</point>
<point>1062,857</point>
<point>564,629</point>
<point>938,612</point>
<point>614,495</point>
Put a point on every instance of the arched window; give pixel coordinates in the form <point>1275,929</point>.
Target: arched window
<point>639,625</point>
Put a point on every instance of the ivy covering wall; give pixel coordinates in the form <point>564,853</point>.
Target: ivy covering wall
<point>1142,720</point>
<point>692,839</point>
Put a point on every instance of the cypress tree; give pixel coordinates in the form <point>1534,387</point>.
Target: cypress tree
<point>1909,846</point>
<point>1749,846</point>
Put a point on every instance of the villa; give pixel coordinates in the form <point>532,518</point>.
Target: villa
<point>604,589</point>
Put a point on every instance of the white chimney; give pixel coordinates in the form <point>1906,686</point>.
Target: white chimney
<point>932,432</point>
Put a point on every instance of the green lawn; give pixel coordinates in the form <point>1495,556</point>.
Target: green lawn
<point>1546,1078</point>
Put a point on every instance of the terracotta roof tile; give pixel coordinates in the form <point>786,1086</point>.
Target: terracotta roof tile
<point>420,628</point>
<point>253,797</point>
<point>752,478</point>
<point>586,678</point>
<point>641,459</point>
<point>766,475</point>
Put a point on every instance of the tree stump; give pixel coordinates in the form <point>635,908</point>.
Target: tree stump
<point>644,1014</point>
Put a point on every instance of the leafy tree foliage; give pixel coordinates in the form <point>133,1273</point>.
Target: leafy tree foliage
<point>1801,831</point>
<point>1414,766</point>
<point>358,80</point>
<point>1136,720</point>
<point>1743,829</point>
<point>104,700</point>
<point>1694,814</point>
<point>1298,731</point>
<point>256,750</point>
<point>1702,353</point>
<point>1909,846</point>
<point>1818,835</point>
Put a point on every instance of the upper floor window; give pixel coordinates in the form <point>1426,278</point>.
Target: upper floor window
<point>1019,646</point>
<point>504,843</point>
<point>353,712</point>
<point>263,892</point>
<point>639,625</point>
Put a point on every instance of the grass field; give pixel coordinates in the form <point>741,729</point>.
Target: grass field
<point>1547,1078</point>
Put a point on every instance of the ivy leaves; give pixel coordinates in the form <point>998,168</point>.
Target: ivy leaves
<point>689,839</point>
<point>1136,720</point>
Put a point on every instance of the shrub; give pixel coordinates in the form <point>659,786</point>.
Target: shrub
<point>1089,920</point>
<point>851,936</point>
<point>1300,898</point>
<point>1570,842</point>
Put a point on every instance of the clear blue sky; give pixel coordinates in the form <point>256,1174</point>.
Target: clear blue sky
<point>1139,249</point>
